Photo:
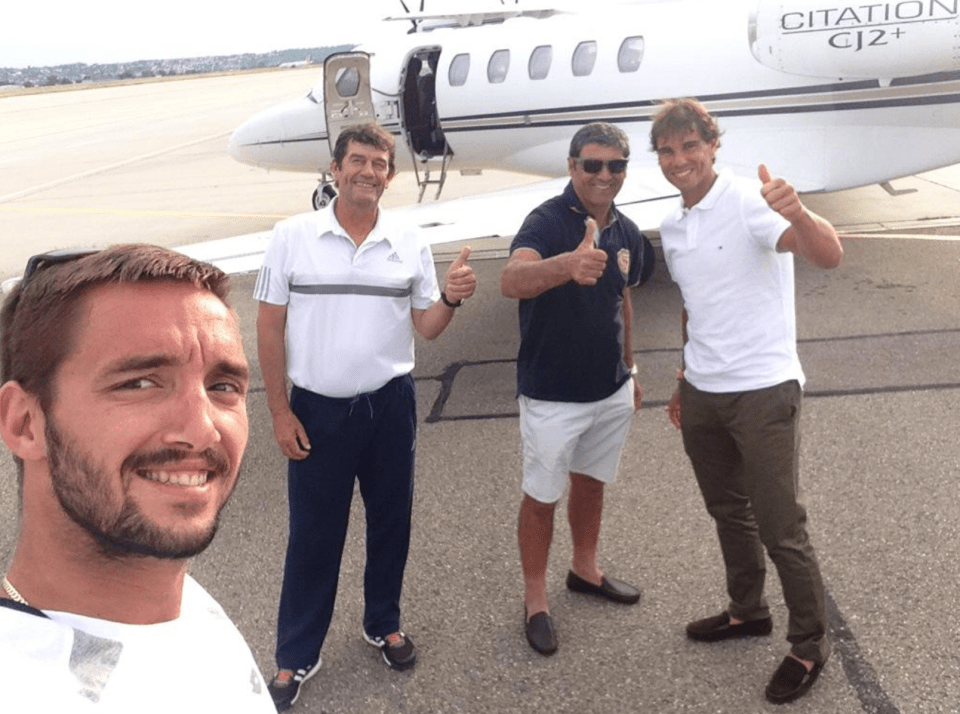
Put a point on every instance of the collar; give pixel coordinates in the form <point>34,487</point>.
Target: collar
<point>327,223</point>
<point>724,179</point>
<point>11,605</point>
<point>573,202</point>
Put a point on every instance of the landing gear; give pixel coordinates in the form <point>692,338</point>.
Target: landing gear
<point>323,195</point>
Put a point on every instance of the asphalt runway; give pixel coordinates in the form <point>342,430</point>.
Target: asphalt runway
<point>879,339</point>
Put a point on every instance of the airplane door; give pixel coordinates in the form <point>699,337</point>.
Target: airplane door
<point>346,92</point>
<point>421,121</point>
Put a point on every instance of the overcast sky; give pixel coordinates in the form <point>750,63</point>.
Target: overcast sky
<point>52,32</point>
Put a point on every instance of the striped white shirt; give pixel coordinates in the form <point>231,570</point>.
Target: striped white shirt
<point>349,328</point>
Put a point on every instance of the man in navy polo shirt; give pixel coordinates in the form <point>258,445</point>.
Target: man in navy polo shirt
<point>572,265</point>
<point>341,292</point>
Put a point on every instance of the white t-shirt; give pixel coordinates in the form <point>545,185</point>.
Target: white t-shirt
<point>70,663</point>
<point>737,289</point>
<point>349,329</point>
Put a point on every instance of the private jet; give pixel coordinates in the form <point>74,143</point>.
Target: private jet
<point>828,95</point>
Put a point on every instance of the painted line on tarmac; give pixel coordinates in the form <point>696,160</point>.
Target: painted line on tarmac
<point>110,167</point>
<point>859,672</point>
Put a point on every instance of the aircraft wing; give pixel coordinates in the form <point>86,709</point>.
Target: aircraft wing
<point>645,198</point>
<point>486,215</point>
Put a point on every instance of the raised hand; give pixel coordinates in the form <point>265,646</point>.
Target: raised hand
<point>588,262</point>
<point>460,281</point>
<point>780,196</point>
<point>809,235</point>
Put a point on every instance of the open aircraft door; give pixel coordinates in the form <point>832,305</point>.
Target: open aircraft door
<point>429,150</point>
<point>347,100</point>
<point>346,92</point>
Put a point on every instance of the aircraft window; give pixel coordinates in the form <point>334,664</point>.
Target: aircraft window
<point>540,60</point>
<point>630,55</point>
<point>498,66</point>
<point>584,57</point>
<point>348,82</point>
<point>459,69</point>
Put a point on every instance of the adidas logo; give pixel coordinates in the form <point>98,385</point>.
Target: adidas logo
<point>394,258</point>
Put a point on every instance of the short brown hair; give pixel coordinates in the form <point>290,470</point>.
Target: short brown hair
<point>371,134</point>
<point>682,115</point>
<point>38,318</point>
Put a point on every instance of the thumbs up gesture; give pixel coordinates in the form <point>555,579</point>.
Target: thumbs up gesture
<point>460,281</point>
<point>780,195</point>
<point>588,262</point>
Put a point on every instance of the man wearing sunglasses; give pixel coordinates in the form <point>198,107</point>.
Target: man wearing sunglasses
<point>572,265</point>
<point>729,246</point>
<point>123,400</point>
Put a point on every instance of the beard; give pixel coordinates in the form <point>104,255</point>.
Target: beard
<point>82,488</point>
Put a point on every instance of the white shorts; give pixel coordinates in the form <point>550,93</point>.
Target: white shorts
<point>563,437</point>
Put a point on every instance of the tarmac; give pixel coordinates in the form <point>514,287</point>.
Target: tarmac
<point>878,337</point>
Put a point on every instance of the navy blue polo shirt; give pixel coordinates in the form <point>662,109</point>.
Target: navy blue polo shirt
<point>571,337</point>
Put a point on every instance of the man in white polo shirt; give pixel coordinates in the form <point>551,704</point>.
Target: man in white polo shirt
<point>729,248</point>
<point>341,292</point>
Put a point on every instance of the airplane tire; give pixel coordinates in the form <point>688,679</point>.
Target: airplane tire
<point>323,195</point>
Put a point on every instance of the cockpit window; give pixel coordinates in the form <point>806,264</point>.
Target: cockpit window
<point>348,82</point>
<point>540,60</point>
<point>498,66</point>
<point>630,55</point>
<point>459,69</point>
<point>584,58</point>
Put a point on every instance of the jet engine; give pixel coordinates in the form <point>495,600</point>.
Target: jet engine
<point>877,40</point>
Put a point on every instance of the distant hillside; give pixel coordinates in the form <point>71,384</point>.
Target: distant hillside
<point>82,73</point>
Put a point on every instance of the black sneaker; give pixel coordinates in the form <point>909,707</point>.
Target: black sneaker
<point>284,688</point>
<point>397,648</point>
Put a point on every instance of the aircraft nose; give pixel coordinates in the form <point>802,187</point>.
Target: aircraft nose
<point>291,136</point>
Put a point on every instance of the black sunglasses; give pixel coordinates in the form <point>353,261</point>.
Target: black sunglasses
<point>54,257</point>
<point>595,166</point>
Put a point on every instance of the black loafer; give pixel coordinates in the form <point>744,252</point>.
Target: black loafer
<point>541,634</point>
<point>718,627</point>
<point>791,681</point>
<point>609,588</point>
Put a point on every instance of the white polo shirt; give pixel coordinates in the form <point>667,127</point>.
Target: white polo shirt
<point>737,289</point>
<point>349,328</point>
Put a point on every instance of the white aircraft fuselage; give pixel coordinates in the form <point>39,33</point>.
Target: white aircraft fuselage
<point>830,96</point>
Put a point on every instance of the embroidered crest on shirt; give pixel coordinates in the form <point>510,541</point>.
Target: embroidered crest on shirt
<point>623,262</point>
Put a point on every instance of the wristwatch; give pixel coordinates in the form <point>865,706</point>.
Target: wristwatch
<point>458,303</point>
